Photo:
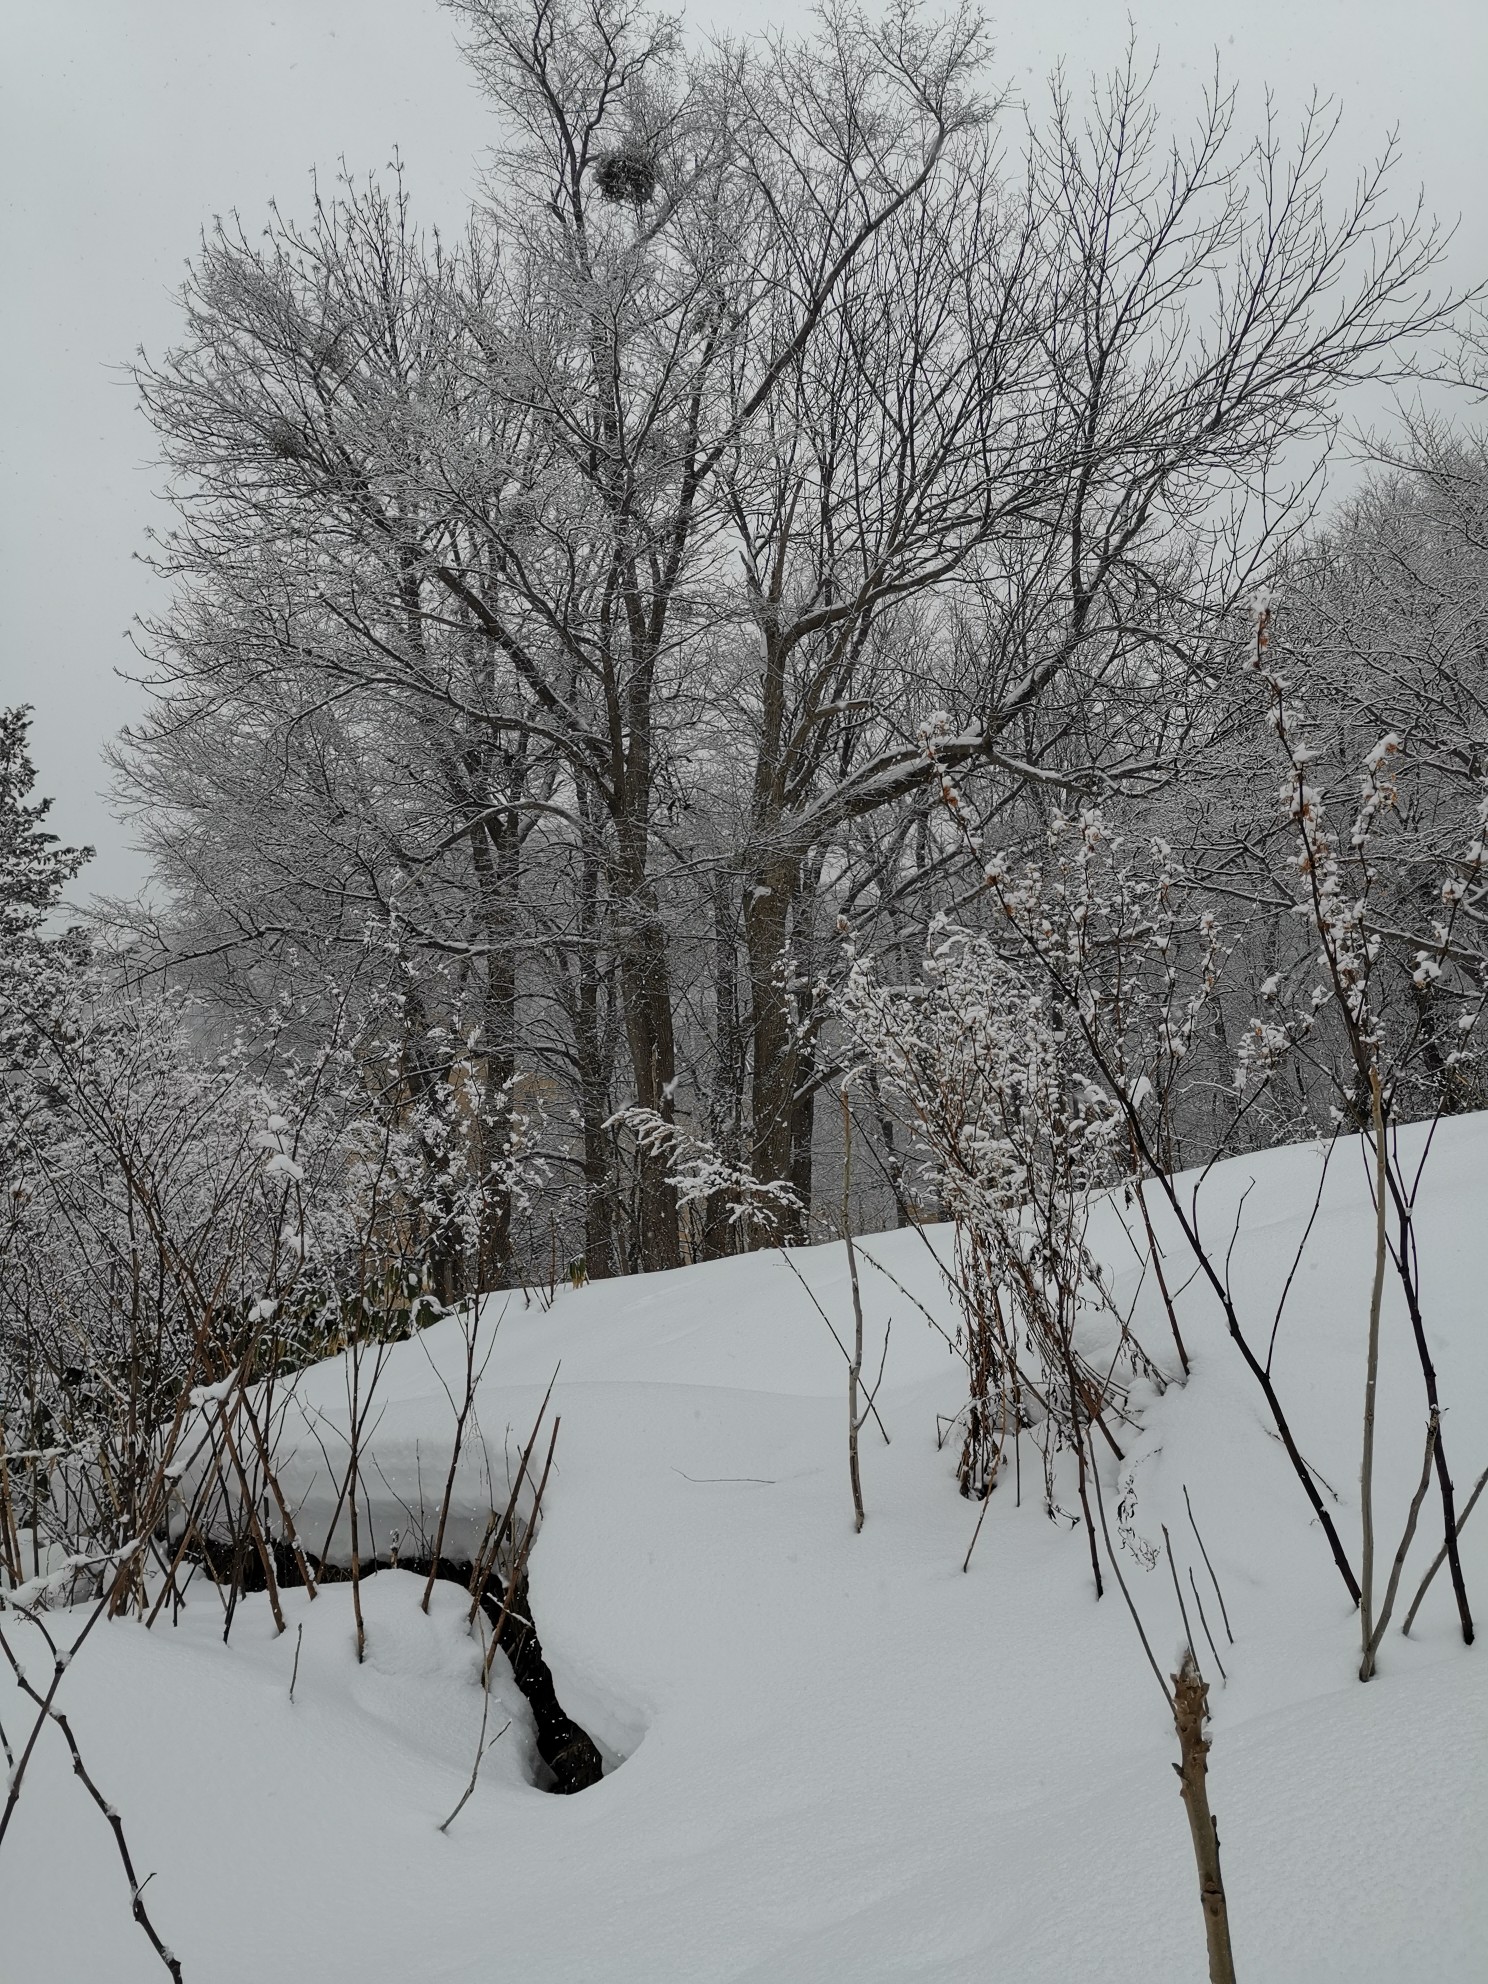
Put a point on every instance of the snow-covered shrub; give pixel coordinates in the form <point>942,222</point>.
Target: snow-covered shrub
<point>760,1212</point>
<point>187,1220</point>
<point>1335,882</point>
<point>1018,1138</point>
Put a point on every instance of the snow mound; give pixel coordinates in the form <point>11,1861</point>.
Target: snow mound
<point>830,1756</point>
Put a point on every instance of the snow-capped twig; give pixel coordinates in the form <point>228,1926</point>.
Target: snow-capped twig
<point>697,1173</point>
<point>27,1597</point>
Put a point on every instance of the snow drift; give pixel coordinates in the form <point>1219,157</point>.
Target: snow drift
<point>828,1756</point>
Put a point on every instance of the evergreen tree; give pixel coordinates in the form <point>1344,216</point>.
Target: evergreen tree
<point>34,870</point>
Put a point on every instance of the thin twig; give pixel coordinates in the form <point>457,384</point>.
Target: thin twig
<point>1193,1525</point>
<point>1441,1556</point>
<point>855,1362</point>
<point>1366,1665</point>
<point>462,1414</point>
<point>1177,1588</point>
<point>481,1745</point>
<point>1205,1624</point>
<point>831,1326</point>
<point>519,1562</point>
<point>496,1529</point>
<point>1130,1606</point>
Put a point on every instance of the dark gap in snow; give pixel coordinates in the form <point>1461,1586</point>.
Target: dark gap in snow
<point>569,1752</point>
<point>570,1755</point>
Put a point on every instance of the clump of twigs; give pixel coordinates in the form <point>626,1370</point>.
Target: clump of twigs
<point>628,175</point>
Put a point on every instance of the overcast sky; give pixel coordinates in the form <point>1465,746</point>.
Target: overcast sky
<point>125,124</point>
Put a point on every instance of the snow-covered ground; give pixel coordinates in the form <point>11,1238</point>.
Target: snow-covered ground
<point>830,1756</point>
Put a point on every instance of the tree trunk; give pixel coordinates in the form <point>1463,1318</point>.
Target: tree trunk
<point>803,1100</point>
<point>424,1071</point>
<point>497,853</point>
<point>726,1109</point>
<point>592,1046</point>
<point>647,994</point>
<point>767,902</point>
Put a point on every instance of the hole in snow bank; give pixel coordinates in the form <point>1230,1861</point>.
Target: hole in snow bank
<point>571,1759</point>
<point>569,1752</point>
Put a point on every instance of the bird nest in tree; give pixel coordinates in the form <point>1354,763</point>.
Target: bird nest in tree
<point>286,441</point>
<point>627,176</point>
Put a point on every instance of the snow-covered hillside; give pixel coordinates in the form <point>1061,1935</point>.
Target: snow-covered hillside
<point>829,1756</point>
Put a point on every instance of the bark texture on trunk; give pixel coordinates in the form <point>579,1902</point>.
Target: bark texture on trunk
<point>1190,1713</point>
<point>773,1073</point>
<point>646,989</point>
<point>496,850</point>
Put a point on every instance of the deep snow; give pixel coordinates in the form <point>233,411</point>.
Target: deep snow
<point>842,1758</point>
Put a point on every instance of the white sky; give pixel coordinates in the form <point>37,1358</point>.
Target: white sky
<point>125,124</point>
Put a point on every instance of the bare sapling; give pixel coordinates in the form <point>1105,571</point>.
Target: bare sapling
<point>1190,1714</point>
<point>870,1406</point>
<point>1187,1696</point>
<point>1193,1585</point>
<point>855,1420</point>
<point>209,1490</point>
<point>1407,1537</point>
<point>353,1466</point>
<point>248,1503</point>
<point>359,1401</point>
<point>1371,1383</point>
<point>1193,1524</point>
<point>1403,1254</point>
<point>1155,1256</point>
<point>263,1443</point>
